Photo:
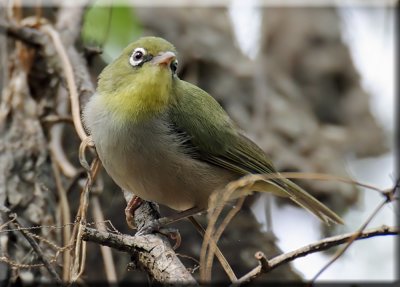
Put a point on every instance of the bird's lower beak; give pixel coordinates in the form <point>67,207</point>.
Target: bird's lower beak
<point>164,58</point>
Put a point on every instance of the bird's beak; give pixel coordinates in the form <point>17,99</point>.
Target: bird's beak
<point>164,58</point>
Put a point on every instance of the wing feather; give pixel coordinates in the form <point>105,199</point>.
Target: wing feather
<point>211,136</point>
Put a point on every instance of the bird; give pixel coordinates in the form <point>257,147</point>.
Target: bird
<point>168,141</point>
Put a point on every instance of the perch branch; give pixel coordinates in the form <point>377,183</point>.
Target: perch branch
<point>154,254</point>
<point>315,247</point>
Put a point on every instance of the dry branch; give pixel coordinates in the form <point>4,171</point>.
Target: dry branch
<point>356,235</point>
<point>316,247</point>
<point>27,35</point>
<point>153,254</point>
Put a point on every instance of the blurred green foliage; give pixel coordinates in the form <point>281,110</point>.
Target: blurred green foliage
<point>111,27</point>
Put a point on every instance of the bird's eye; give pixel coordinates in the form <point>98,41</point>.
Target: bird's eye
<point>137,56</point>
<point>174,66</point>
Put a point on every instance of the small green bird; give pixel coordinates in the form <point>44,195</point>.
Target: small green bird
<point>168,141</point>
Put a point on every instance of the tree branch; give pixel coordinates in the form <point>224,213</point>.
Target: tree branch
<point>315,247</point>
<point>28,35</point>
<point>153,254</point>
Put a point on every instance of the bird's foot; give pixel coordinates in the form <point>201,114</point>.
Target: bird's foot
<point>153,226</point>
<point>157,226</point>
<point>174,235</point>
<point>132,205</point>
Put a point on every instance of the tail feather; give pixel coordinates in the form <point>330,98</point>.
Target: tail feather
<point>316,207</point>
<point>286,188</point>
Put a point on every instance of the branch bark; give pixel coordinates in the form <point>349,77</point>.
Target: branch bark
<point>315,247</point>
<point>27,35</point>
<point>152,253</point>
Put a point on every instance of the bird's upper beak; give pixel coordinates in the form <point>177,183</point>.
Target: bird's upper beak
<point>164,58</point>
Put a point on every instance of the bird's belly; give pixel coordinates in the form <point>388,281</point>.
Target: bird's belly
<point>154,168</point>
<point>175,185</point>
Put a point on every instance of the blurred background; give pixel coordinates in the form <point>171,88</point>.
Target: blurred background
<point>313,85</point>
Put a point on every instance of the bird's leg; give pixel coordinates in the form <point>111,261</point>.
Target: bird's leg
<point>132,205</point>
<point>156,225</point>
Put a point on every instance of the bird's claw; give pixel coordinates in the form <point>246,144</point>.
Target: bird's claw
<point>132,205</point>
<point>151,227</point>
<point>174,235</point>
<point>157,226</point>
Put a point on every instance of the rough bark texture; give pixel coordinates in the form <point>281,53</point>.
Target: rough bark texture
<point>152,254</point>
<point>26,182</point>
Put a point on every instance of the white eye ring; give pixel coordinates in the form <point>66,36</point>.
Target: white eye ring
<point>137,56</point>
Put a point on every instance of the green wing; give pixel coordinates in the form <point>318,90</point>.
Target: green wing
<point>213,138</point>
<point>212,133</point>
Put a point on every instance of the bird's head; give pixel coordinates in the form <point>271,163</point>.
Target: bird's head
<point>139,82</point>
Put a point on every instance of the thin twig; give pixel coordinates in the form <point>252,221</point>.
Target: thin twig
<point>12,219</point>
<point>109,266</point>
<point>388,197</point>
<point>244,185</point>
<point>53,119</point>
<point>37,250</point>
<point>65,218</point>
<point>69,76</point>
<point>78,264</point>
<point>217,202</point>
<point>56,133</point>
<point>262,259</point>
<point>317,247</point>
<point>217,235</point>
<point>356,234</point>
<point>220,256</point>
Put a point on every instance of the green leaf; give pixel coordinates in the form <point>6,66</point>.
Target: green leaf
<point>111,27</point>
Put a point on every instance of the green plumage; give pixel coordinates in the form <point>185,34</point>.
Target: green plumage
<point>218,141</point>
<point>168,141</point>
